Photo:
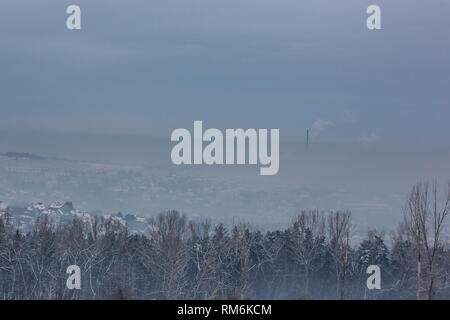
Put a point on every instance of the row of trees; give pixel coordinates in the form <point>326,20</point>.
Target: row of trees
<point>181,259</point>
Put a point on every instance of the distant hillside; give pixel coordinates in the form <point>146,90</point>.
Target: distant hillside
<point>22,155</point>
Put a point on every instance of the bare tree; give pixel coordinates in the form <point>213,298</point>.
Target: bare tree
<point>425,221</point>
<point>168,233</point>
<point>338,230</point>
<point>307,233</point>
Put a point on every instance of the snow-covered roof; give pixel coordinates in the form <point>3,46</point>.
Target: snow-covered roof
<point>56,205</point>
<point>3,206</point>
<point>39,206</point>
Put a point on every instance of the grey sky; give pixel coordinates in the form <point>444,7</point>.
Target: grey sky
<point>150,66</point>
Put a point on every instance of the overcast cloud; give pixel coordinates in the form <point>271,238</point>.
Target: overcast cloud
<point>148,66</point>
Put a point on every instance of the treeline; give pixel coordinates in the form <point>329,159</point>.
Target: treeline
<point>181,259</point>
